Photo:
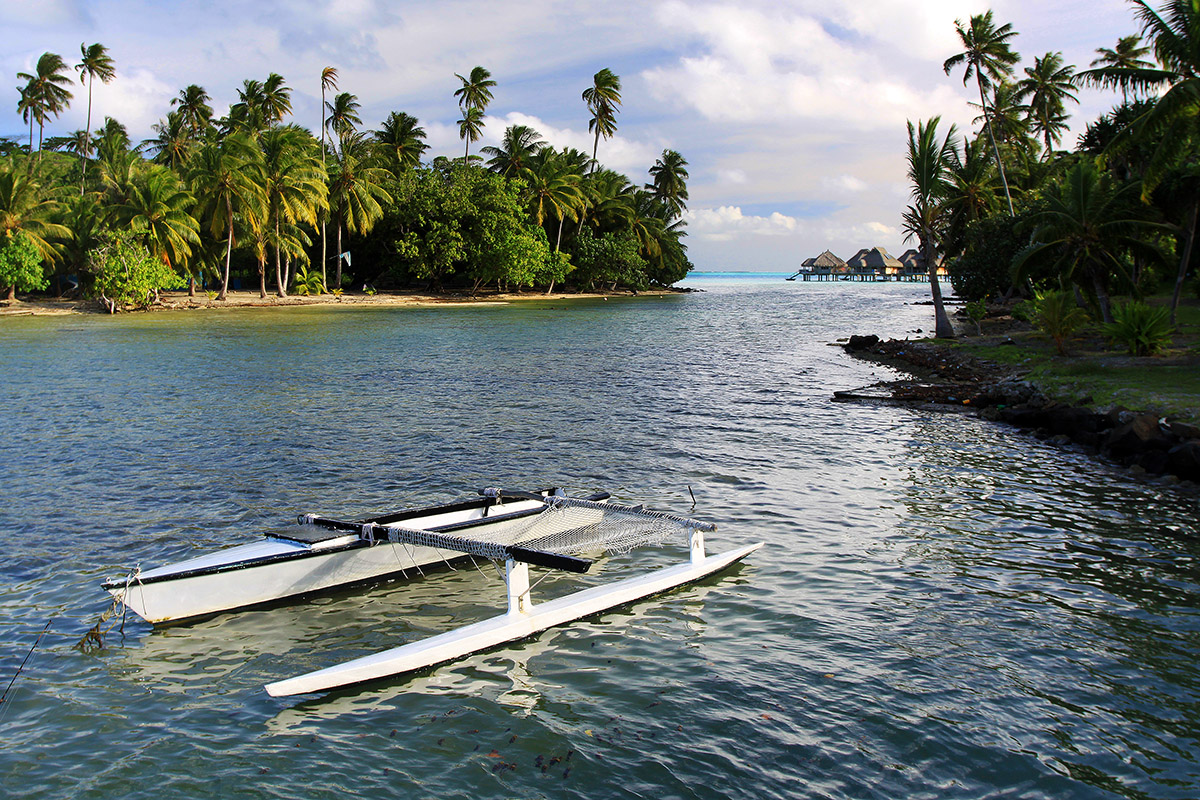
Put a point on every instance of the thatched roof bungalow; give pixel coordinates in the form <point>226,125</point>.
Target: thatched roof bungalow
<point>877,260</point>
<point>914,263</point>
<point>827,262</point>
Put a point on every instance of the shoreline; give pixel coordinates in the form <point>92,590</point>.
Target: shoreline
<point>947,380</point>
<point>180,301</point>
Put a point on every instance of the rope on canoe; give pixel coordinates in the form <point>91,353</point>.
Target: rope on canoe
<point>93,640</point>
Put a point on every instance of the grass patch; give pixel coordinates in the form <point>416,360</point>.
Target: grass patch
<point>1168,384</point>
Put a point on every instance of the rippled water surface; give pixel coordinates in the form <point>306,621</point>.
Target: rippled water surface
<point>943,608</point>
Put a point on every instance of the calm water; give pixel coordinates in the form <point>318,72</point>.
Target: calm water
<point>944,608</point>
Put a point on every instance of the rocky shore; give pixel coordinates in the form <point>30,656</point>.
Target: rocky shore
<point>944,379</point>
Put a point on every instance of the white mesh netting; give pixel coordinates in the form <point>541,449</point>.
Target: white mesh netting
<point>566,527</point>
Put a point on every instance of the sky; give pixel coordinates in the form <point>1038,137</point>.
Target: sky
<point>790,113</point>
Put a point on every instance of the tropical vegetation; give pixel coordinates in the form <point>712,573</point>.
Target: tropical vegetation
<point>1013,215</point>
<point>253,198</point>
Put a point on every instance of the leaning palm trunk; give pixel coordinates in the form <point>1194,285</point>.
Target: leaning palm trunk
<point>337,273</point>
<point>943,328</point>
<point>1186,260</point>
<point>262,276</point>
<point>995,149</point>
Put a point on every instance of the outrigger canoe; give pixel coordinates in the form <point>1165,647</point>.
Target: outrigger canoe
<point>318,554</point>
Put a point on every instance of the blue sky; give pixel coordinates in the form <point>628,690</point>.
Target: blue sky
<point>791,113</point>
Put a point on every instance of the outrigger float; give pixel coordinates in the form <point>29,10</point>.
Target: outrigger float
<point>555,538</point>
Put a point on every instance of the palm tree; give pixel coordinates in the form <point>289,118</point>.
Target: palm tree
<point>247,114</point>
<point>476,91</point>
<point>23,208</point>
<point>1169,126</point>
<point>553,189</point>
<point>1126,56</point>
<point>929,164</point>
<point>276,99</point>
<point>401,141</point>
<point>987,57</point>
<point>328,81</point>
<point>226,178</point>
<point>294,182</point>
<point>1048,85</point>
<point>518,146</point>
<point>159,209</point>
<point>342,114</point>
<point>95,63</point>
<point>45,93</point>
<point>473,98</point>
<point>669,181</point>
<point>173,144</point>
<point>194,110</point>
<point>602,98</point>
<point>356,191</point>
<point>470,128</point>
<point>969,193</point>
<point>1085,228</point>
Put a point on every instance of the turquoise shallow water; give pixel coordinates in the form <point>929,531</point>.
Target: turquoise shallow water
<point>944,608</point>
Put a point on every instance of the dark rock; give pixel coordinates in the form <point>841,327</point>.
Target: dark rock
<point>1153,461</point>
<point>1184,460</point>
<point>862,342</point>
<point>1140,433</point>
<point>1185,431</point>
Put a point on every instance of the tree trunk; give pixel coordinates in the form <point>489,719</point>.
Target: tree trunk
<point>191,286</point>
<point>1186,260</point>
<point>87,133</point>
<point>228,254</point>
<point>280,285</point>
<point>337,273</point>
<point>1102,297</point>
<point>943,328</point>
<point>996,150</point>
<point>12,292</point>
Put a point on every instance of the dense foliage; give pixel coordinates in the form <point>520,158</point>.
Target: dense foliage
<point>1011,214</point>
<point>250,198</point>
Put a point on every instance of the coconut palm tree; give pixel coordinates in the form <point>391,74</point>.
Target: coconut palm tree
<point>341,116</point>
<point>470,128</point>
<point>294,183</point>
<point>24,208</point>
<point>1129,54</point>
<point>603,98</point>
<point>553,189</point>
<point>276,99</point>
<point>194,110</point>
<point>518,146</point>
<point>1086,227</point>
<point>226,178</point>
<point>1048,85</point>
<point>401,142</point>
<point>930,162</point>
<point>173,144</point>
<point>987,57</point>
<point>95,63</point>
<point>356,191</point>
<point>45,93</point>
<point>969,193</point>
<point>476,90</point>
<point>158,208</point>
<point>669,181</point>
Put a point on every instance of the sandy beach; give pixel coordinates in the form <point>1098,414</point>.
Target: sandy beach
<point>180,301</point>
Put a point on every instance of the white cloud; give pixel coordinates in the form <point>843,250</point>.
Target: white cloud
<point>728,222</point>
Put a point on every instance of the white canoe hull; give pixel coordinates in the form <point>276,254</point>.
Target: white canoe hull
<point>274,569</point>
<point>517,624</point>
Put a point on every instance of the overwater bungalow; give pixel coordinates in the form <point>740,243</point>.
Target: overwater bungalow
<point>874,263</point>
<point>914,264</point>
<point>824,267</point>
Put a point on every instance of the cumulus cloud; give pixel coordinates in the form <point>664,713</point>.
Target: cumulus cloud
<point>728,222</point>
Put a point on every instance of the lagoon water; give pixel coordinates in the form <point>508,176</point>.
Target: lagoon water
<point>944,608</point>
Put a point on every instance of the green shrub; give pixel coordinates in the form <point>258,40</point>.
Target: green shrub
<point>1057,315</point>
<point>308,282</point>
<point>127,274</point>
<point>985,267</point>
<point>1143,330</point>
<point>20,264</point>
<point>976,311</point>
